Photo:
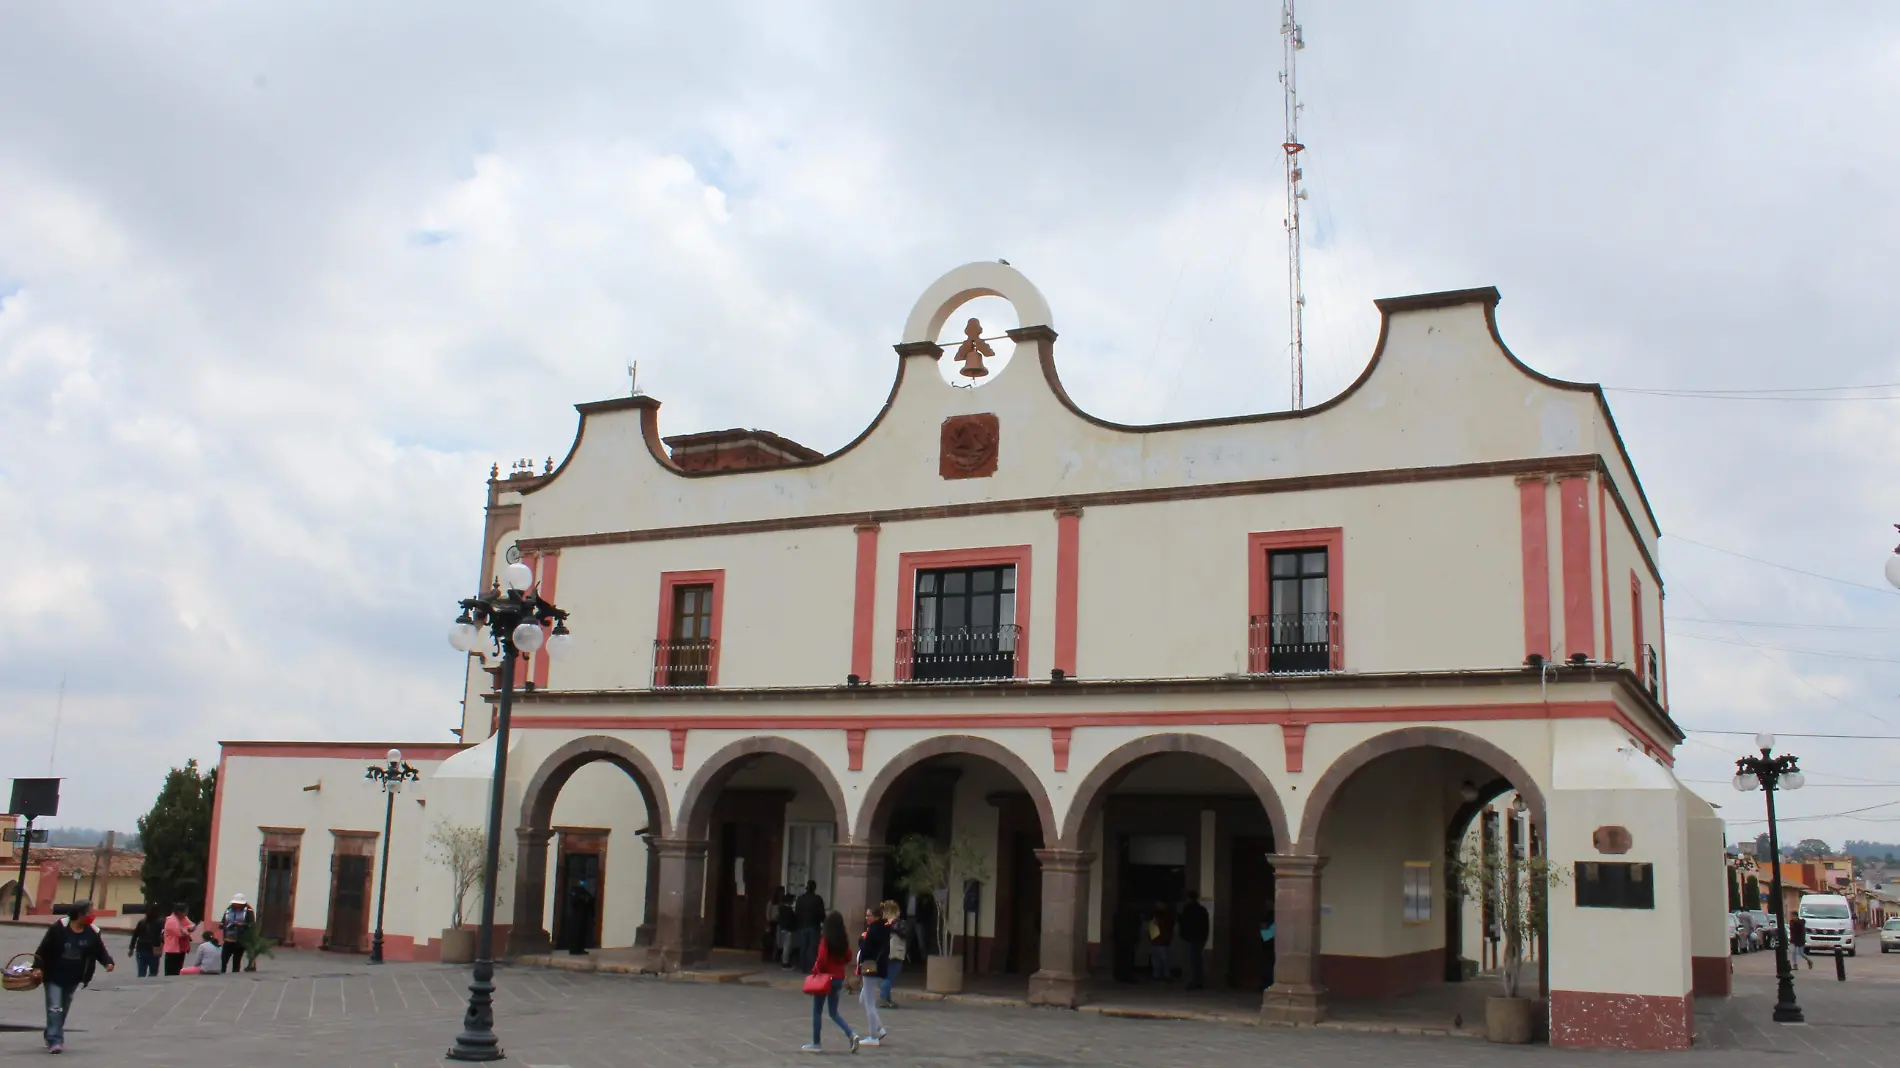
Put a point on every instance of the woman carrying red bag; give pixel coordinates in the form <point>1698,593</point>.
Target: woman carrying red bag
<point>825,980</point>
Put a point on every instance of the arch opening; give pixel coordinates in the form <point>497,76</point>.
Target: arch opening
<point>968,795</point>
<point>770,815</point>
<point>1394,820</point>
<point>590,815</point>
<point>1168,817</point>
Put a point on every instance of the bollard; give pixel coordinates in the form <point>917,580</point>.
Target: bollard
<point>1840,965</point>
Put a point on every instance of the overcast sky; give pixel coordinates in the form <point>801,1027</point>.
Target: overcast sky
<point>279,281</point>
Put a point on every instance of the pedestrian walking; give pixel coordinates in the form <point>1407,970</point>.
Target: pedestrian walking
<point>68,953</point>
<point>1160,940</point>
<point>809,912</point>
<point>874,958</point>
<point>1194,929</point>
<point>1127,941</point>
<point>1798,938</point>
<point>176,939</point>
<point>148,940</point>
<point>238,918</point>
<point>901,934</point>
<point>826,979</point>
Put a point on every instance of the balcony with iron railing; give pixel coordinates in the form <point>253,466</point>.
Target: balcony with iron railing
<point>1306,643</point>
<point>959,654</point>
<point>684,663</point>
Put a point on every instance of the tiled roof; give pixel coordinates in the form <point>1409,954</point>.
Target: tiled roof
<point>75,860</point>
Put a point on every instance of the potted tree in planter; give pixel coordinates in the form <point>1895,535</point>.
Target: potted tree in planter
<point>1519,888</point>
<point>927,867</point>
<point>461,850</point>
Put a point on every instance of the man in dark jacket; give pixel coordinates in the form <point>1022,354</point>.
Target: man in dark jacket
<point>809,911</point>
<point>580,918</point>
<point>1193,929</point>
<point>67,955</point>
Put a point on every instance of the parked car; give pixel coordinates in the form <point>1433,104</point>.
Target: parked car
<point>1890,936</point>
<point>1767,931</point>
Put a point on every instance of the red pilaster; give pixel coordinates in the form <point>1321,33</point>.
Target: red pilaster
<point>1573,497</point>
<point>1068,586</point>
<point>864,602</point>
<point>1534,523</point>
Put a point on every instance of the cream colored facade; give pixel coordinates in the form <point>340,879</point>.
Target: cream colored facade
<point>1155,723</point>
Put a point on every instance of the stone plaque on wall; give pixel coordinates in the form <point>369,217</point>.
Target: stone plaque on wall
<point>968,448</point>
<point>1611,841</point>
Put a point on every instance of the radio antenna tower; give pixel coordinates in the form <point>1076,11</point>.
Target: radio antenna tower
<point>1291,43</point>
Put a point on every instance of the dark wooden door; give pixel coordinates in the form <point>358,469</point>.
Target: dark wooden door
<point>349,902</point>
<point>746,864</point>
<point>277,895</point>
<point>573,868</point>
<point>1249,901</point>
<point>1018,948</point>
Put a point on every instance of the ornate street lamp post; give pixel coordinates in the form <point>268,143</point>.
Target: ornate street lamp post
<point>1770,774</point>
<point>392,776</point>
<point>515,621</point>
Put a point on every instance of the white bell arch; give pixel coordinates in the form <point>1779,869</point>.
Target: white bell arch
<point>966,283</point>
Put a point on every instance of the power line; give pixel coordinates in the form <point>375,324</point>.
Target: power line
<point>1784,567</point>
<point>1684,395</point>
<point>1789,649</point>
<point>1780,734</point>
<point>1743,392</point>
<point>1782,626</point>
<point>1798,677</point>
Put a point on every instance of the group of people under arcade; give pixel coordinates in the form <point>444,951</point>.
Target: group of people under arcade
<point>1175,941</point>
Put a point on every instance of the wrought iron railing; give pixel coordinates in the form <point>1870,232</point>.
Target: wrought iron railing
<point>1651,677</point>
<point>1306,643</point>
<point>970,654</point>
<point>682,663</point>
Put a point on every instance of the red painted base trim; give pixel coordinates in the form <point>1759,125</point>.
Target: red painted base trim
<point>1583,1019</point>
<point>1380,977</point>
<point>1713,976</point>
<point>305,938</point>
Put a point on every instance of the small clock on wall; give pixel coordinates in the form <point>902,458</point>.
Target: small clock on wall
<point>513,555</point>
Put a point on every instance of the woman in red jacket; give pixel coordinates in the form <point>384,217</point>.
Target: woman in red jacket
<point>834,956</point>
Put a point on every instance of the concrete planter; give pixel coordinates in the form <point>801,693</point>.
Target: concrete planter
<point>458,946</point>
<point>944,975</point>
<point>1510,1020</point>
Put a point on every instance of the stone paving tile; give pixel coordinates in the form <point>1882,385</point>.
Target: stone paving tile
<point>315,1009</point>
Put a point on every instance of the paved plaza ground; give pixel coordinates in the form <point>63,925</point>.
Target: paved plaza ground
<point>309,1008</point>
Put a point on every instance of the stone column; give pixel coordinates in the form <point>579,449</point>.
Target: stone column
<point>857,883</point>
<point>1065,928</point>
<point>528,933</point>
<point>1295,996</point>
<point>650,914</point>
<point>682,883</point>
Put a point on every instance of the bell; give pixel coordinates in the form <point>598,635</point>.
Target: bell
<point>972,351</point>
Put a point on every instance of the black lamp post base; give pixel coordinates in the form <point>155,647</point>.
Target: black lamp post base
<point>376,948</point>
<point>478,1041</point>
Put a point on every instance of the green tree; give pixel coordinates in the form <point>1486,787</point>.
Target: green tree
<point>177,837</point>
<point>1734,890</point>
<point>1810,849</point>
<point>1751,894</point>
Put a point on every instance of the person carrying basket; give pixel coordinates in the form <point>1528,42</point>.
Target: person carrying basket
<point>68,953</point>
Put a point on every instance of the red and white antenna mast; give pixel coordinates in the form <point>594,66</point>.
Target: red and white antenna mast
<point>1291,43</point>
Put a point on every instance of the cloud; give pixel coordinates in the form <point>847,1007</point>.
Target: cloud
<point>278,284</point>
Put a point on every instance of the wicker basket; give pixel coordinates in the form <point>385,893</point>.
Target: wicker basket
<point>20,983</point>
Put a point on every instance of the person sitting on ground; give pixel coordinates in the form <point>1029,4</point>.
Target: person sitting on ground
<point>208,958</point>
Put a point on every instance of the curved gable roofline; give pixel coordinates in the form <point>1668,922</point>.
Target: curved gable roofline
<point>995,279</point>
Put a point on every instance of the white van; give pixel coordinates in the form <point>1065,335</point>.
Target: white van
<point>1830,923</point>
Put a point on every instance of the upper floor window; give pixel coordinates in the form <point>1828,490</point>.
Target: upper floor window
<point>686,653</point>
<point>964,626</point>
<point>1299,629</point>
